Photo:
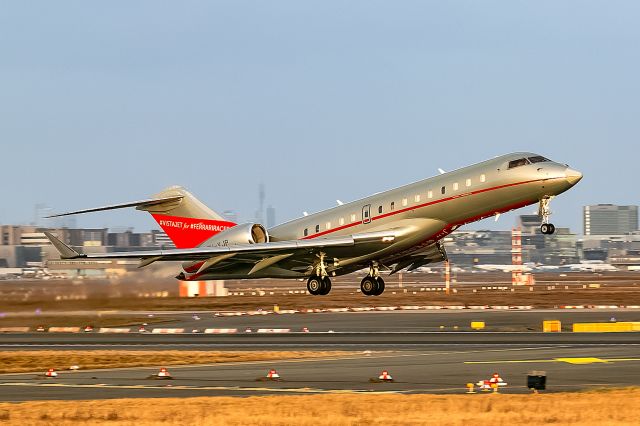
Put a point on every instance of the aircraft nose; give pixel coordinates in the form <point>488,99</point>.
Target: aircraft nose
<point>572,176</point>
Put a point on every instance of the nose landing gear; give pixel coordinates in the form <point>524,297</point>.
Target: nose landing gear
<point>545,212</point>
<point>547,228</point>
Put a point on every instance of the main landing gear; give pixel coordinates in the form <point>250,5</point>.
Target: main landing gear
<point>372,284</point>
<point>319,283</point>
<point>545,212</point>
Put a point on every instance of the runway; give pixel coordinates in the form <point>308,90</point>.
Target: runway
<point>425,320</point>
<point>316,341</point>
<point>374,321</point>
<point>436,370</point>
<point>421,356</point>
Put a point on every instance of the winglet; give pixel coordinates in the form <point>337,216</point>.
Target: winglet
<point>65,251</point>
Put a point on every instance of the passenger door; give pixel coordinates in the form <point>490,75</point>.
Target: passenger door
<point>366,214</point>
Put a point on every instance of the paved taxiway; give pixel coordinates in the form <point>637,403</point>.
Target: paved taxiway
<point>399,320</point>
<point>312,341</point>
<point>404,343</point>
<point>424,320</point>
<point>435,370</point>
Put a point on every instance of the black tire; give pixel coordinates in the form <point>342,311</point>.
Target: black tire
<point>380,286</point>
<point>552,228</point>
<point>326,286</point>
<point>544,228</point>
<point>368,286</point>
<point>314,285</point>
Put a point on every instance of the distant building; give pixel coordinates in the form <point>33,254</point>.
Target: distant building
<point>529,223</point>
<point>609,219</point>
<point>162,240</point>
<point>271,217</point>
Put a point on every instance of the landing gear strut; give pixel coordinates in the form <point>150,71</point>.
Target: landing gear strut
<point>319,283</point>
<point>545,212</point>
<point>372,284</point>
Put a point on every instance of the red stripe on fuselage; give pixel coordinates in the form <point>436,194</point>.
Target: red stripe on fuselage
<point>419,206</point>
<point>439,235</point>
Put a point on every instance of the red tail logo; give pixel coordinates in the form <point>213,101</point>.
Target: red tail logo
<point>189,233</point>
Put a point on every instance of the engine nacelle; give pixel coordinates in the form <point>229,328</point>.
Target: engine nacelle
<point>245,233</point>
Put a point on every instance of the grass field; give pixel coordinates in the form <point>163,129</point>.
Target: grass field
<point>65,320</point>
<point>27,361</point>
<point>611,408</point>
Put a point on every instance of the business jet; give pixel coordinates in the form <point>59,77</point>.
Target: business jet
<point>398,229</point>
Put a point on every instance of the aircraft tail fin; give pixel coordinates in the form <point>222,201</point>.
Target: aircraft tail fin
<point>184,218</point>
<point>187,221</point>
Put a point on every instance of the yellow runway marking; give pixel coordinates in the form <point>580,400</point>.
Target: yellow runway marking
<point>582,360</point>
<point>577,361</point>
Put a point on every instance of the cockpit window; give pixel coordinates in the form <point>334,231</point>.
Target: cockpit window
<point>538,159</point>
<point>519,162</point>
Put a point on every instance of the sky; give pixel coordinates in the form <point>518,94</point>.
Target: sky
<point>105,102</point>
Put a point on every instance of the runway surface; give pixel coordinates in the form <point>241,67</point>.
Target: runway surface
<point>496,320</point>
<point>434,370</point>
<point>399,320</point>
<point>315,341</point>
<point>420,356</point>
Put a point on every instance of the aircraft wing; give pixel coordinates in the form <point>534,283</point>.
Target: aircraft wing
<point>199,253</point>
<point>431,254</point>
<point>261,255</point>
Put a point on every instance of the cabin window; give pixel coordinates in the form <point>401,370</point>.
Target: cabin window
<point>443,190</point>
<point>328,225</point>
<point>366,214</point>
<point>404,202</point>
<point>393,206</point>
<point>353,217</point>
<point>379,209</point>
<point>417,198</point>
<point>455,186</point>
<point>430,194</point>
<point>483,178</point>
<point>317,228</point>
<point>341,221</point>
<point>306,231</point>
<point>519,162</point>
<point>538,159</point>
<point>468,182</point>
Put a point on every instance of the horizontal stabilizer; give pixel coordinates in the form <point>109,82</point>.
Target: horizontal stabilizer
<point>141,203</point>
<point>65,251</point>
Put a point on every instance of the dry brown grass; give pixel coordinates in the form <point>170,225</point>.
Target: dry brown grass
<point>96,321</point>
<point>27,361</point>
<point>613,408</point>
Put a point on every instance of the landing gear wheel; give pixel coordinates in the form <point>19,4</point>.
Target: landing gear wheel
<point>368,286</point>
<point>314,285</point>
<point>326,286</point>
<point>547,228</point>
<point>545,213</point>
<point>380,286</point>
